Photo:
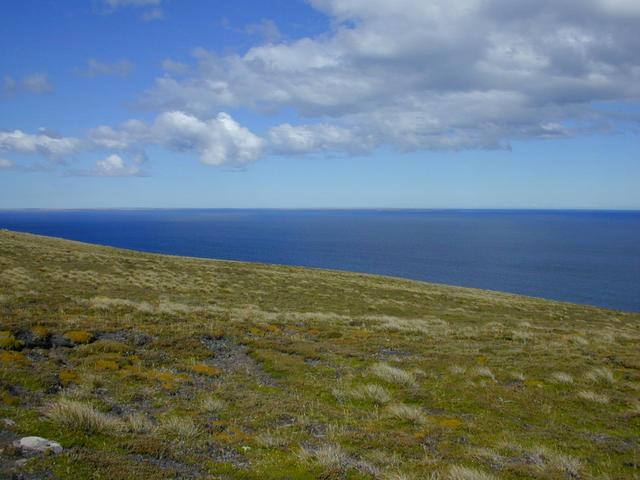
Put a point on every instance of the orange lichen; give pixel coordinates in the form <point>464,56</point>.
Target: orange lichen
<point>67,376</point>
<point>9,356</point>
<point>206,370</point>
<point>169,386</point>
<point>106,365</point>
<point>450,423</point>
<point>40,332</point>
<point>79,336</point>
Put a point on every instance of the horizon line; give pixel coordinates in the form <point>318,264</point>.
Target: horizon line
<point>529,209</point>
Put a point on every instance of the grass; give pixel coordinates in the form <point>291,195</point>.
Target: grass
<point>82,417</point>
<point>149,366</point>
<point>392,374</point>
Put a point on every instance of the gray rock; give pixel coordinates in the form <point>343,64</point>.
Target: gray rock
<point>7,422</point>
<point>38,445</point>
<point>60,341</point>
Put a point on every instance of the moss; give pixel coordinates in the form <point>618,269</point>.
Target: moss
<point>67,377</point>
<point>79,336</point>
<point>9,399</point>
<point>9,341</point>
<point>208,370</point>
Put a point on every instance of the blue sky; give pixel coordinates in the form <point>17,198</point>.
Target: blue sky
<point>326,103</point>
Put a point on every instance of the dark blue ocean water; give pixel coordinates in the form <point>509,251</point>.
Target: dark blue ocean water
<point>576,256</point>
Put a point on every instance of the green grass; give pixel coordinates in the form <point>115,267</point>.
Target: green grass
<point>168,367</point>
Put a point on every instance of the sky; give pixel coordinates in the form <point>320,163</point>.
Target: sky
<point>320,104</point>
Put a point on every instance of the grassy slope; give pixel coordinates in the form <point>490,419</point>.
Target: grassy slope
<point>172,391</point>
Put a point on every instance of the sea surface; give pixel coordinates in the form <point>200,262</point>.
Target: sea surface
<point>590,257</point>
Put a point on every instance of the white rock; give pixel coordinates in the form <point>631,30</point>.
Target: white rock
<point>38,444</point>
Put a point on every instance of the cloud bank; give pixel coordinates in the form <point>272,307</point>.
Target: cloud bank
<point>408,74</point>
<point>453,74</point>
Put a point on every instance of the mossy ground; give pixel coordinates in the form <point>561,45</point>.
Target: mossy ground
<point>211,369</point>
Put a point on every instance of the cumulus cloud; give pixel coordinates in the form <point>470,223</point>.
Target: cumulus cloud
<point>94,68</point>
<point>115,166</point>
<point>43,143</point>
<point>171,66</point>
<point>443,74</point>
<point>216,141</point>
<point>37,83</point>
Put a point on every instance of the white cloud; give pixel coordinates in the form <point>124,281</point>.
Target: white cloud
<point>265,28</point>
<point>4,163</point>
<point>442,74</point>
<point>152,15</point>
<point>216,141</point>
<point>94,68</point>
<point>287,139</point>
<point>177,68</point>
<point>37,83</point>
<point>43,143</point>
<point>115,166</point>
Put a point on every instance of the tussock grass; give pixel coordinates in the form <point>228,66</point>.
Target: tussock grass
<point>457,472</point>
<point>561,377</point>
<point>407,413</point>
<point>591,396</point>
<point>372,393</point>
<point>484,372</point>
<point>178,427</point>
<point>600,375</point>
<point>331,457</point>
<point>212,404</point>
<point>83,417</point>
<point>393,375</point>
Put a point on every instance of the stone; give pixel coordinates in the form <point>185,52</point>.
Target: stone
<point>38,445</point>
<point>7,422</point>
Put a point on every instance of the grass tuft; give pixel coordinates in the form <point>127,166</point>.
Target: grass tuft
<point>393,375</point>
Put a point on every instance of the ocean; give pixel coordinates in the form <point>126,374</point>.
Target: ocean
<point>589,257</point>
